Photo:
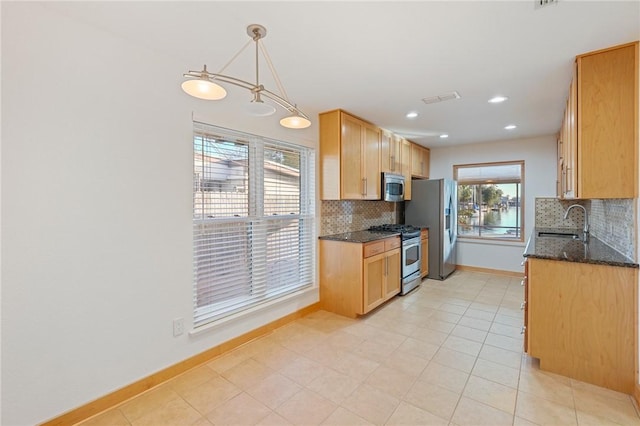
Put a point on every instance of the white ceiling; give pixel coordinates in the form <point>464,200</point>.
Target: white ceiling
<point>378,60</point>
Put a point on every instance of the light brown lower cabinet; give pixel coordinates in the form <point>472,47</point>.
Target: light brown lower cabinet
<point>581,321</point>
<point>424,253</point>
<point>356,278</point>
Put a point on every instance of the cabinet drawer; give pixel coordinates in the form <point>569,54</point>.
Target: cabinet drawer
<point>391,243</point>
<point>376,247</point>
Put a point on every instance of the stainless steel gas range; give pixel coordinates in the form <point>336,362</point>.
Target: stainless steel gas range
<point>411,253</point>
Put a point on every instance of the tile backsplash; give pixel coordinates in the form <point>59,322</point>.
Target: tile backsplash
<point>612,221</point>
<point>354,215</point>
<point>550,213</point>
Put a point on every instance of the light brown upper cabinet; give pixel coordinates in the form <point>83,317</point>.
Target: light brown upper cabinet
<point>349,157</point>
<point>390,153</point>
<point>568,144</point>
<point>405,165</point>
<point>420,157</point>
<point>598,141</point>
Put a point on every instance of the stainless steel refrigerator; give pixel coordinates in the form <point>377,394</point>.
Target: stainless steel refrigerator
<point>434,204</point>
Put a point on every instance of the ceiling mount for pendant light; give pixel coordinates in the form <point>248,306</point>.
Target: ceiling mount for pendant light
<point>203,85</point>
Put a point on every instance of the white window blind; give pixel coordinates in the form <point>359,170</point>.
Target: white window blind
<point>253,221</point>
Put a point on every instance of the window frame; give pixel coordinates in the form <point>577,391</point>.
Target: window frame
<point>269,274</point>
<point>492,181</point>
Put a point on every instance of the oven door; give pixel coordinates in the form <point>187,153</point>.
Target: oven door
<point>410,256</point>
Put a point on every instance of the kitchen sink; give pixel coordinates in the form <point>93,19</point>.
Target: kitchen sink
<point>558,234</point>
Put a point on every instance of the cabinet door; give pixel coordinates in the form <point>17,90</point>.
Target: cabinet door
<point>607,108</point>
<point>373,281</point>
<point>351,153</point>
<point>426,159</point>
<point>405,166</point>
<point>371,162</point>
<point>424,259</point>
<point>392,273</point>
<point>560,165</point>
<point>416,160</point>
<point>571,145</point>
<point>389,153</point>
<point>581,318</point>
<point>420,157</point>
<point>525,327</point>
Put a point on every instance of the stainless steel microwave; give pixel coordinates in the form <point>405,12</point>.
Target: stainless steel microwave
<point>392,187</point>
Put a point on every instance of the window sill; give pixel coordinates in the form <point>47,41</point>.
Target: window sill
<point>482,241</point>
<point>253,312</point>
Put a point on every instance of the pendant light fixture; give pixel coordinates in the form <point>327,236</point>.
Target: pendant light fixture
<point>204,85</point>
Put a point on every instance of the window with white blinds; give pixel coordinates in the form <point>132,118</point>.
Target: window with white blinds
<point>253,221</point>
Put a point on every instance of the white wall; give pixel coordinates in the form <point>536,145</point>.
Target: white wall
<point>96,213</point>
<point>539,155</point>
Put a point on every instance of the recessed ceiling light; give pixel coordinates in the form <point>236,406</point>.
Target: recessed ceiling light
<point>510,127</point>
<point>497,99</point>
<point>412,114</point>
<point>444,136</point>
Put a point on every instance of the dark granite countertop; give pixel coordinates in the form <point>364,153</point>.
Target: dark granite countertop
<point>565,249</point>
<point>360,236</point>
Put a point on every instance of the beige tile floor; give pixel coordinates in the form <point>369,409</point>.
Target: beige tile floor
<point>449,353</point>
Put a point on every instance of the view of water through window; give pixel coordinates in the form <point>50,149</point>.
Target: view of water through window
<point>490,210</point>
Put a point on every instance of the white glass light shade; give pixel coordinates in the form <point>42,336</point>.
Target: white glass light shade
<point>258,108</point>
<point>204,89</point>
<point>295,121</point>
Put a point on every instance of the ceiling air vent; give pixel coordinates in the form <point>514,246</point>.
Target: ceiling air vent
<point>543,3</point>
<point>441,98</point>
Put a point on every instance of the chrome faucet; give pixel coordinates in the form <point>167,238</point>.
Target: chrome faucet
<point>585,229</point>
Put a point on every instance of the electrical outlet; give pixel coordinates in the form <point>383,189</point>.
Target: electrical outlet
<point>178,326</point>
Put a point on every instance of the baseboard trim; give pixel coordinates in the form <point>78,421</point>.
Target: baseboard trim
<point>488,271</point>
<point>114,398</point>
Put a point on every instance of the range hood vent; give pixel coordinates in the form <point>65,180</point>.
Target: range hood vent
<point>441,98</point>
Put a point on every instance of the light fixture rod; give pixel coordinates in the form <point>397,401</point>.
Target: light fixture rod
<point>257,61</point>
<point>234,57</point>
<point>273,71</point>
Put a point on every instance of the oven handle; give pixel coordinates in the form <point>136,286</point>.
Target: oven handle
<point>408,246</point>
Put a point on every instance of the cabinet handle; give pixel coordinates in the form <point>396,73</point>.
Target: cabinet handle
<point>522,282</point>
<point>364,186</point>
<point>522,305</point>
<point>523,262</point>
<point>524,328</point>
<point>392,164</point>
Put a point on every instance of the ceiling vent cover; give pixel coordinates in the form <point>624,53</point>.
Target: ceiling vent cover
<point>441,98</point>
<point>543,3</point>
